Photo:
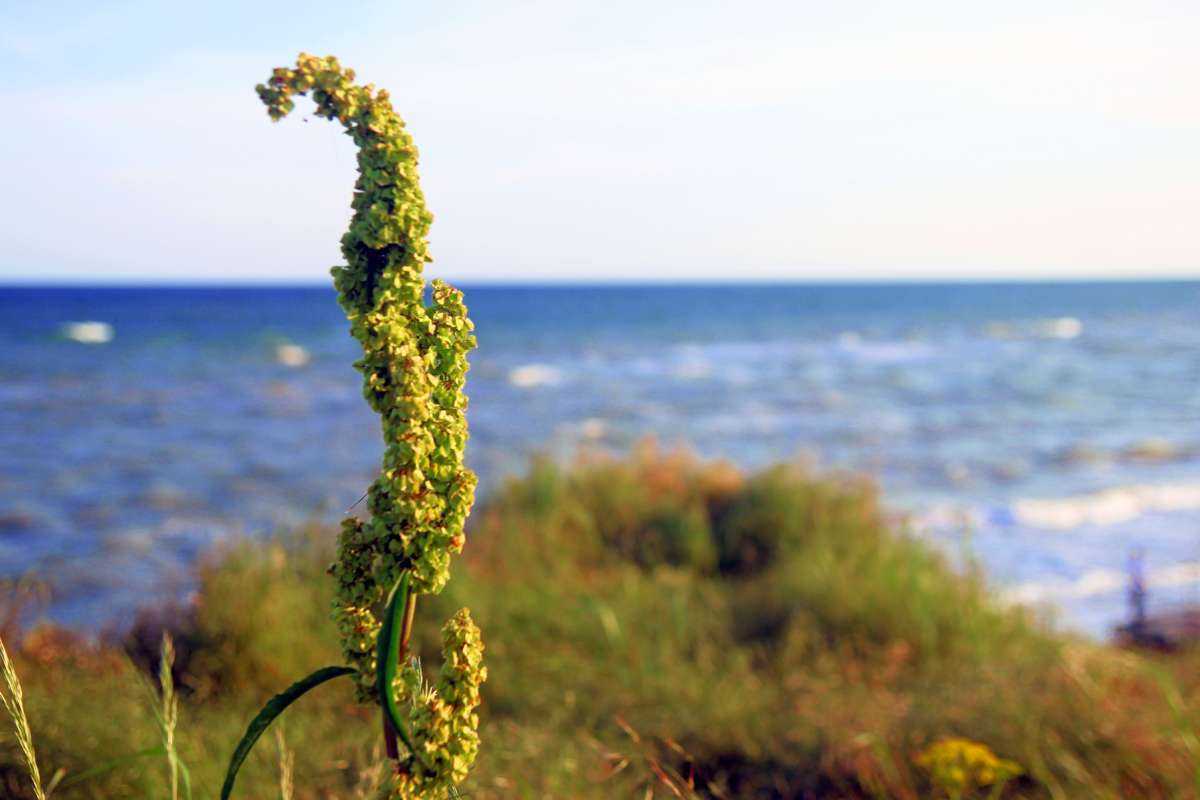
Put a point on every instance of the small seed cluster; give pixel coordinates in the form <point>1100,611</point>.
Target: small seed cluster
<point>414,366</point>
<point>445,725</point>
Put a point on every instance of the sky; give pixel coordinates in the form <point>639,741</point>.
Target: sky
<point>615,141</point>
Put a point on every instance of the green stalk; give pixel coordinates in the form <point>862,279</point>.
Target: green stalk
<point>398,617</point>
<point>389,732</point>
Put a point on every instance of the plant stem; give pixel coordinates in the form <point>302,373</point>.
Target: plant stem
<point>410,610</point>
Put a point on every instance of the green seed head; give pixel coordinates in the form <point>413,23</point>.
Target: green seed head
<point>414,360</point>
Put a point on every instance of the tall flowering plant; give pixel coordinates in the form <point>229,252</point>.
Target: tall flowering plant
<point>414,366</point>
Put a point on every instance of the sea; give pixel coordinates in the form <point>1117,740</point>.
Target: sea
<point>1048,432</point>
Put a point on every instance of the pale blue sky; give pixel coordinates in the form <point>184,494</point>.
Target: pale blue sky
<point>614,141</point>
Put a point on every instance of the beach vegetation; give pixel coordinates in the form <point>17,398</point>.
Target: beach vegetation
<point>829,660</point>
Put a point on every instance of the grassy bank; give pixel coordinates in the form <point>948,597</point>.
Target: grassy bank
<point>654,624</point>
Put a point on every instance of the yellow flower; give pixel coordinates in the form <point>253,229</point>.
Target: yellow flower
<point>959,765</point>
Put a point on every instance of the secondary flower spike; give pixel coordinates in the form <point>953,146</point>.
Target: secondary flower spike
<point>414,366</point>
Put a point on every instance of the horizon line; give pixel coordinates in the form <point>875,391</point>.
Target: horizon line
<point>596,283</point>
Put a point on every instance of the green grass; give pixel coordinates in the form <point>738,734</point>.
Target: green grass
<point>653,625</point>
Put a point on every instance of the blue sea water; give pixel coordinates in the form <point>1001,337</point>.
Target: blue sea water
<point>1048,429</point>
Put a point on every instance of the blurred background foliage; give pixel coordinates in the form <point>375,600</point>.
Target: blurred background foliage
<point>657,626</point>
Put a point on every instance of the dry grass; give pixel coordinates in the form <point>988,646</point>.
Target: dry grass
<point>14,704</point>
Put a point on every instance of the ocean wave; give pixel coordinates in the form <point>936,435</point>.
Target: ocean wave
<point>89,332</point>
<point>529,376</point>
<point>1052,328</point>
<point>885,351</point>
<point>292,355</point>
<point>1155,450</point>
<point>593,428</point>
<point>1094,583</point>
<point>1107,507</point>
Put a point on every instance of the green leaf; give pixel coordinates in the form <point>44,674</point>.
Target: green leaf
<point>386,661</point>
<point>274,707</point>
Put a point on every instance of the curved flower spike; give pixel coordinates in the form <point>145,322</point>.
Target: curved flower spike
<point>414,366</point>
<point>414,361</point>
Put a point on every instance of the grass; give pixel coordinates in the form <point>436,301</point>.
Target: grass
<point>165,703</point>
<point>655,626</point>
<point>13,700</point>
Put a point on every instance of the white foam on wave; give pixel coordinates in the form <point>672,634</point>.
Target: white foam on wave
<point>1059,328</point>
<point>593,428</point>
<point>1053,328</point>
<point>292,355</point>
<point>1098,582</point>
<point>89,332</point>
<point>1108,507</point>
<point>1063,514</point>
<point>884,351</point>
<point>528,376</point>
